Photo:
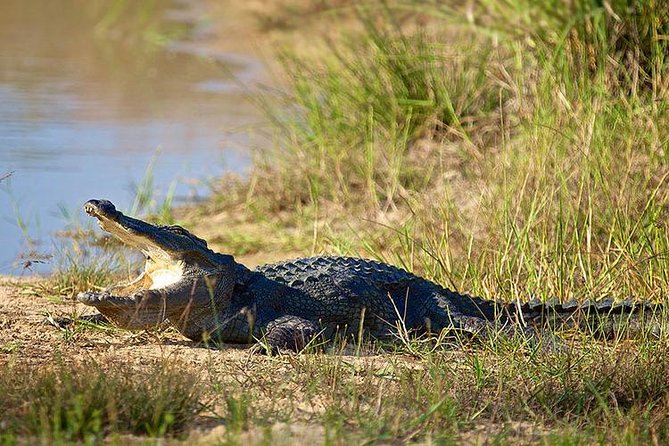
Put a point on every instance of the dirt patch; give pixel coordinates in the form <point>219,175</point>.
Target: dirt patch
<point>29,336</point>
<point>28,333</point>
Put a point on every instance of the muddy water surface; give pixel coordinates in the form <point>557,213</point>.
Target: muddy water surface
<point>88,98</point>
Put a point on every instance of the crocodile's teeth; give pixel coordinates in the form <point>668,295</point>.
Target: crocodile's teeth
<point>90,298</point>
<point>93,298</point>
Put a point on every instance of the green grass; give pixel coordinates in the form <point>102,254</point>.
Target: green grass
<point>480,151</point>
<point>611,393</point>
<point>84,263</point>
<point>501,390</point>
<point>355,115</point>
<point>77,277</point>
<point>86,401</point>
<point>510,149</point>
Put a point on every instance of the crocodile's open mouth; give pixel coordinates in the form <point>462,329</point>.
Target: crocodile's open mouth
<point>181,275</point>
<point>163,246</point>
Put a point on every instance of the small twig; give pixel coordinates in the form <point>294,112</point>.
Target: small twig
<point>7,175</point>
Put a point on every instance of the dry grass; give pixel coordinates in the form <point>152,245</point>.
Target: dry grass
<point>505,150</point>
<point>510,149</point>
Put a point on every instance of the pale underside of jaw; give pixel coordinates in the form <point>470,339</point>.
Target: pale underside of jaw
<point>165,276</point>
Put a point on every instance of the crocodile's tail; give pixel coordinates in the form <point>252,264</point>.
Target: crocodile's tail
<point>604,318</point>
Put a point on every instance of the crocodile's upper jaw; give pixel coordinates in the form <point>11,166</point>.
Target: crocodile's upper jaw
<point>132,232</point>
<point>168,249</point>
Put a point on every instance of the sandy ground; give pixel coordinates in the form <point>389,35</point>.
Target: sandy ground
<point>28,337</point>
<point>28,333</point>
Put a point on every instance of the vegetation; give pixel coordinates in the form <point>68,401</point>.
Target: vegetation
<point>506,148</point>
<point>68,402</point>
<point>502,391</point>
<point>498,391</point>
<point>512,148</point>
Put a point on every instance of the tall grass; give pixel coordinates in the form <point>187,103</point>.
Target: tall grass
<point>614,394</point>
<point>355,114</point>
<point>624,41</point>
<point>510,148</point>
<point>575,203</point>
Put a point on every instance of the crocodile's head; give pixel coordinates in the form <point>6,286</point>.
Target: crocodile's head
<point>171,252</point>
<point>180,271</point>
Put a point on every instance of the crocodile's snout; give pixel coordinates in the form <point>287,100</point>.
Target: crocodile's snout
<point>103,208</point>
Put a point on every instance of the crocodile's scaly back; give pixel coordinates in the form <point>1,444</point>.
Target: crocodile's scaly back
<point>336,290</point>
<point>314,269</point>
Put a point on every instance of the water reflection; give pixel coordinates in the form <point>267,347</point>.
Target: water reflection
<point>86,101</point>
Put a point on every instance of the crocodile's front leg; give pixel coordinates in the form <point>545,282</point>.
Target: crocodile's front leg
<point>289,332</point>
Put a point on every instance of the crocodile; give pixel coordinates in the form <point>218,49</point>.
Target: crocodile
<point>210,297</point>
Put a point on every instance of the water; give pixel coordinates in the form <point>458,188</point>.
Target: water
<point>85,105</point>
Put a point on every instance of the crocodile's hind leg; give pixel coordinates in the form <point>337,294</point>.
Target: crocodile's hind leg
<point>290,333</point>
<point>480,319</point>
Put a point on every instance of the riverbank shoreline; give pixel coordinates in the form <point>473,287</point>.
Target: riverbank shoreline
<point>515,154</point>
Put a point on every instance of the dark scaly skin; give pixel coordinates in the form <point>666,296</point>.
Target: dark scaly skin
<point>215,299</point>
<point>330,293</point>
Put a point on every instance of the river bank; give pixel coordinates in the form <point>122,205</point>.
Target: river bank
<point>510,153</point>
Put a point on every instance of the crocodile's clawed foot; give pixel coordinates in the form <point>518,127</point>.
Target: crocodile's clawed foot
<point>286,334</point>
<point>289,332</point>
<point>61,322</point>
<point>262,348</point>
<point>97,319</point>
